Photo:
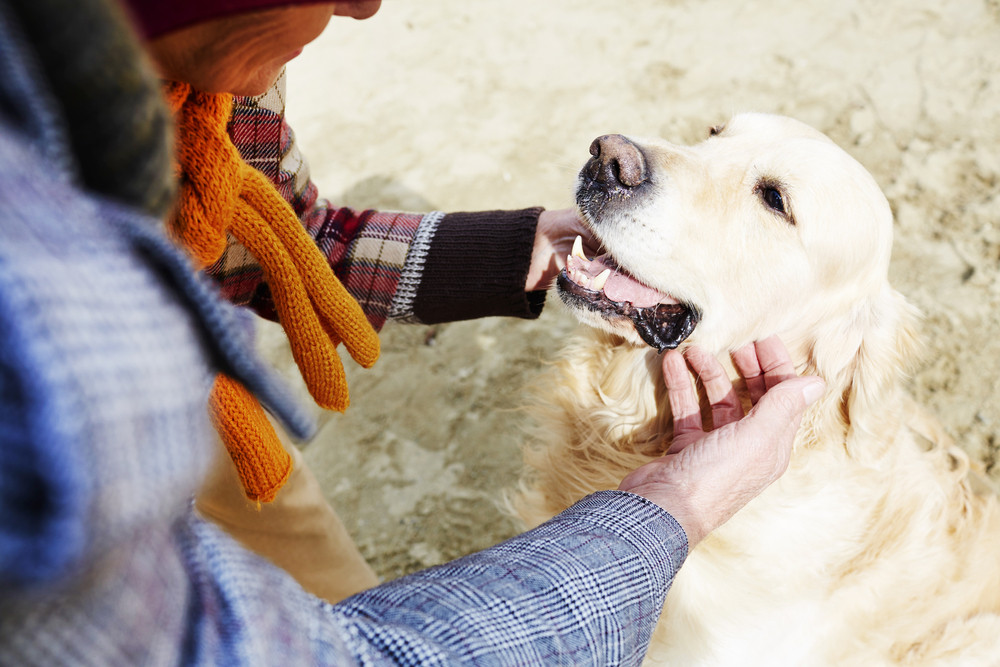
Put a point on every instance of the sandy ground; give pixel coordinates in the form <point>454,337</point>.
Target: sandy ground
<point>457,105</point>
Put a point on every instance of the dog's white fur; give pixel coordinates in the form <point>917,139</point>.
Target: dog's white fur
<point>875,548</point>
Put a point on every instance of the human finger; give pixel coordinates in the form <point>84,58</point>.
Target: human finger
<point>775,364</point>
<point>778,414</point>
<point>726,407</point>
<point>748,366</point>
<point>680,393</point>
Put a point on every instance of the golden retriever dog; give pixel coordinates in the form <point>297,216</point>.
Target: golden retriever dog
<point>879,546</point>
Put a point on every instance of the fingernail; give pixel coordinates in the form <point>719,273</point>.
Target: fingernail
<point>813,390</point>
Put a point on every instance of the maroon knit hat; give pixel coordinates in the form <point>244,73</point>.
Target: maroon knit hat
<point>157,17</point>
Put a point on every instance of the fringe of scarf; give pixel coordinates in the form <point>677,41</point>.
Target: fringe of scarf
<point>220,194</point>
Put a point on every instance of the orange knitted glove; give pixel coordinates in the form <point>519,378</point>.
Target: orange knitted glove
<point>221,194</point>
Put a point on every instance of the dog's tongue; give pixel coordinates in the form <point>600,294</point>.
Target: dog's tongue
<point>619,287</point>
<point>604,287</point>
<point>622,287</point>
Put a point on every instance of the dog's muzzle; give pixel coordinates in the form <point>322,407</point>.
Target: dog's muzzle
<point>614,174</point>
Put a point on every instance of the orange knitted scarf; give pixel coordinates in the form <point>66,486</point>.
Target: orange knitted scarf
<point>220,194</point>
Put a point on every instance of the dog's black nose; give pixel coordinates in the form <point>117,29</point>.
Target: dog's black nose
<point>616,161</point>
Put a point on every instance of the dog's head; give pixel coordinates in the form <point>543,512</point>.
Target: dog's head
<point>765,227</point>
<point>761,228</point>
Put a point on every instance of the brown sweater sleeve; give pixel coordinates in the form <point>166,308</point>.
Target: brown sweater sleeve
<point>476,265</point>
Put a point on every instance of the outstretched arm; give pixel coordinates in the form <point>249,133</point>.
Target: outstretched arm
<point>423,267</point>
<point>588,586</point>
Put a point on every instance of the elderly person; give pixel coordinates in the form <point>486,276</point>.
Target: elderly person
<point>110,346</point>
<point>408,267</point>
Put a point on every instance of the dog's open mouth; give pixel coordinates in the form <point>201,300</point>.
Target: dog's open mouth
<point>602,286</point>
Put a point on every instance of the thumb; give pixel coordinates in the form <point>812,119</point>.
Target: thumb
<point>775,420</point>
<point>786,401</point>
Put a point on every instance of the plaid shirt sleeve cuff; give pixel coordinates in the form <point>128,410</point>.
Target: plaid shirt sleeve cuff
<point>587,587</point>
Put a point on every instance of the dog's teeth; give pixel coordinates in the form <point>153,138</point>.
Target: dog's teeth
<point>578,248</point>
<point>598,283</point>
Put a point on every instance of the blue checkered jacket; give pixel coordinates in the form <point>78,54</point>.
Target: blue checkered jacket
<point>108,344</point>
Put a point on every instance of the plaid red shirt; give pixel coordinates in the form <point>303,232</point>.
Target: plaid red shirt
<point>367,249</point>
<point>404,266</point>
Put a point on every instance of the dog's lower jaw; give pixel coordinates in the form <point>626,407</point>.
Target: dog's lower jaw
<point>662,326</point>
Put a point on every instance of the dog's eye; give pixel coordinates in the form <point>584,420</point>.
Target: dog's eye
<point>771,193</point>
<point>715,129</point>
<point>772,197</point>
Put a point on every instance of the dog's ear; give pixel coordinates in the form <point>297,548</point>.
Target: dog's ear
<point>866,356</point>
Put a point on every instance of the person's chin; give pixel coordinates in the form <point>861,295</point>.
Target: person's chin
<point>259,82</point>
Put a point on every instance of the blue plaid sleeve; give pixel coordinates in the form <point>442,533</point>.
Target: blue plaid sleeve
<point>585,588</point>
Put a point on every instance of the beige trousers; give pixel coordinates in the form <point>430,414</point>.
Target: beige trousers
<point>299,531</point>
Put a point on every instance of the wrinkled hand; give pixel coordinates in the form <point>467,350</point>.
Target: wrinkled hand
<point>553,241</point>
<point>706,477</point>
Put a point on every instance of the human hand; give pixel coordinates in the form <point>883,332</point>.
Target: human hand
<point>554,238</point>
<point>706,477</point>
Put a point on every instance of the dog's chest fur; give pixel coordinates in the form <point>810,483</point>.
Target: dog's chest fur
<point>839,562</point>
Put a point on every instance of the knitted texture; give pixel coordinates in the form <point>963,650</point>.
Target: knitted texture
<point>263,464</point>
<point>220,194</point>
